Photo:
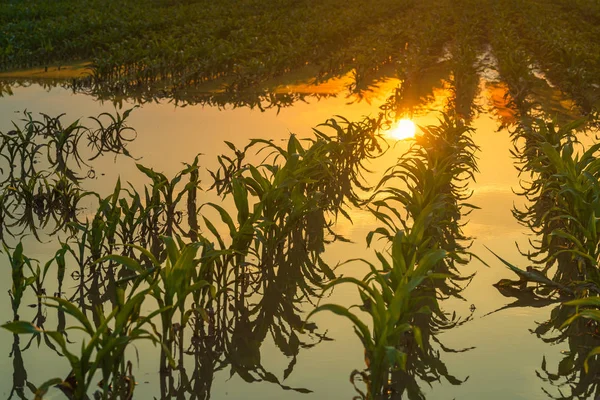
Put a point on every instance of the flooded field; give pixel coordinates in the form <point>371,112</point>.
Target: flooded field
<point>225,211</point>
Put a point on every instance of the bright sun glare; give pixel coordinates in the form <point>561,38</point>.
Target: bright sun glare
<point>404,130</point>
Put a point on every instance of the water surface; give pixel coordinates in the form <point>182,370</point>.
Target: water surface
<point>506,355</point>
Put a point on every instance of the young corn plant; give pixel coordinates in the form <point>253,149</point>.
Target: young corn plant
<point>401,297</point>
<point>564,195</point>
<point>563,192</point>
<point>392,298</point>
<point>19,264</point>
<point>104,353</point>
<point>431,180</point>
<point>297,191</point>
<point>171,283</point>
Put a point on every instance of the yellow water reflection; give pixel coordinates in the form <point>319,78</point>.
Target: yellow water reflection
<point>404,129</point>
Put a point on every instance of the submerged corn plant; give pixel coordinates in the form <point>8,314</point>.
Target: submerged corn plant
<point>171,283</point>
<point>393,296</point>
<point>297,193</point>
<point>431,179</point>
<point>432,187</point>
<point>420,220</point>
<point>563,211</point>
<point>285,208</point>
<point>105,352</point>
<point>562,190</point>
<point>122,243</point>
<point>20,264</point>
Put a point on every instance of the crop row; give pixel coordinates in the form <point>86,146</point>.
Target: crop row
<point>419,211</point>
<point>184,43</point>
<point>560,184</point>
<point>565,48</point>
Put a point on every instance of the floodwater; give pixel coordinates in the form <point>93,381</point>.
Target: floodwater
<point>506,356</point>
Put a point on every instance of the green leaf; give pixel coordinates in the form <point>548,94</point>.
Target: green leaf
<point>429,261</point>
<point>43,388</point>
<point>172,249</point>
<point>339,310</point>
<point>225,218</point>
<point>418,336</point>
<point>127,262</point>
<point>21,327</point>
<point>592,353</point>
<point>568,236</point>
<point>586,301</point>
<point>74,311</point>
<point>394,356</point>
<point>240,197</point>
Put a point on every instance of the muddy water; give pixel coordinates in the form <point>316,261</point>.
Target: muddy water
<point>506,355</point>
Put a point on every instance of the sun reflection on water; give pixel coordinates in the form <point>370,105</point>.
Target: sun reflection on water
<point>404,130</point>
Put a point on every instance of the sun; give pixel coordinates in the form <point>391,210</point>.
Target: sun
<point>404,130</point>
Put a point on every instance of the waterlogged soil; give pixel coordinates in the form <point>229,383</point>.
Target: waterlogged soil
<point>505,355</point>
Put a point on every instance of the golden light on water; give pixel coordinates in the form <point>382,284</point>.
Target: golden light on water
<point>404,130</point>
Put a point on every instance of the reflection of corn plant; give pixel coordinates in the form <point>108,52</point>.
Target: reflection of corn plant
<point>586,308</point>
<point>564,49</point>
<point>579,365</point>
<point>20,373</point>
<point>467,43</point>
<point>41,163</point>
<point>513,59</point>
<point>112,138</point>
<point>162,203</point>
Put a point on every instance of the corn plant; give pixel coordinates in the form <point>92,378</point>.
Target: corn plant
<point>19,264</point>
<point>563,192</point>
<point>105,351</point>
<point>401,297</point>
<point>391,297</point>
<point>171,283</point>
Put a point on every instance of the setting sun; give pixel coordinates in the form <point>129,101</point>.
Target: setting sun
<point>404,130</point>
